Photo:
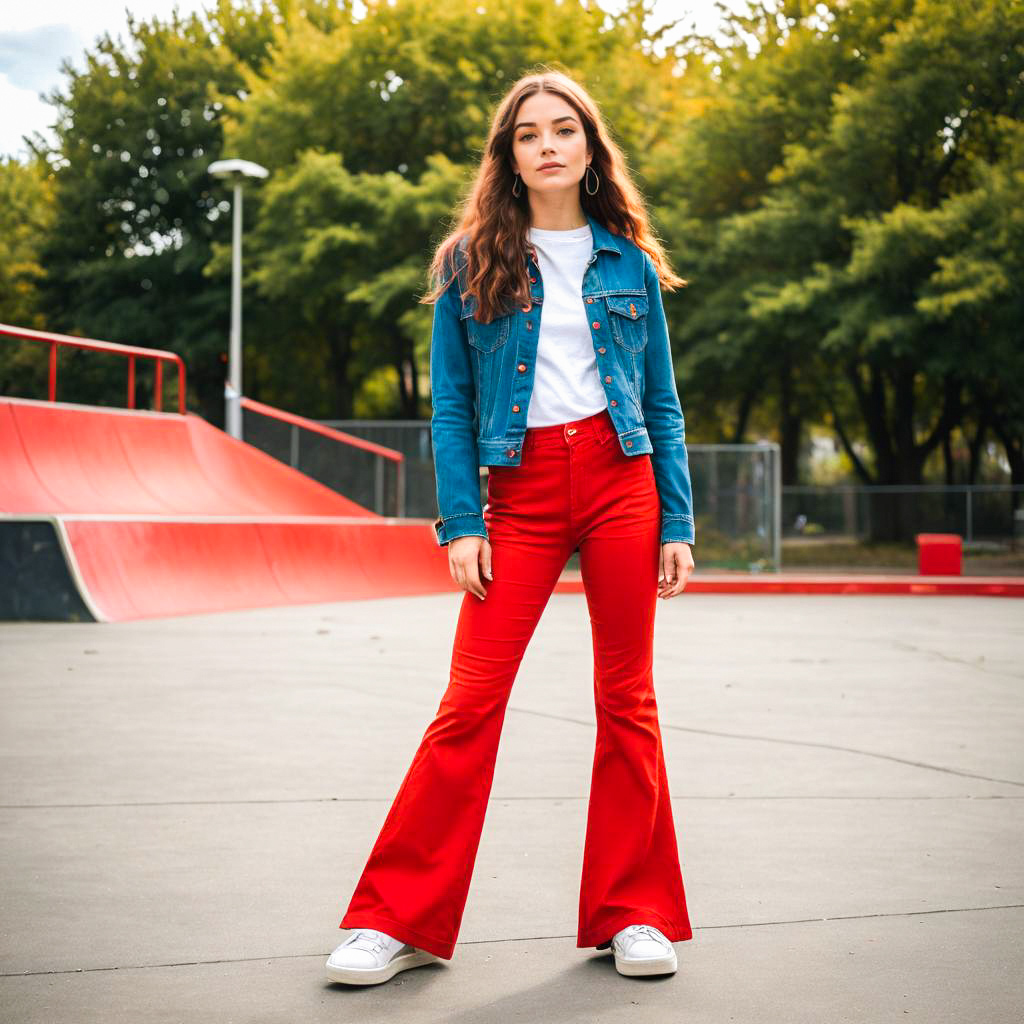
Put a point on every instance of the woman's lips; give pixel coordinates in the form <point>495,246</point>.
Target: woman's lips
<point>553,167</point>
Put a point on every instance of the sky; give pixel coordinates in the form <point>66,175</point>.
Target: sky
<point>35,38</point>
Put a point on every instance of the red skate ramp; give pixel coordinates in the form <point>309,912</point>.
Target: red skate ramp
<point>121,514</point>
<point>78,458</point>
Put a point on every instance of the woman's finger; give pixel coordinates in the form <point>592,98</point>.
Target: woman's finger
<point>676,570</point>
<point>684,571</point>
<point>473,584</point>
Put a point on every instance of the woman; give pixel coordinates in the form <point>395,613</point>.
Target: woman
<point>550,363</point>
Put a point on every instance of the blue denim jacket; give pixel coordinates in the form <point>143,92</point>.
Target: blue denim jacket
<point>481,379</point>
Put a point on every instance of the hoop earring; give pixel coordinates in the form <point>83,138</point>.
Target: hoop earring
<point>515,184</point>
<point>586,181</point>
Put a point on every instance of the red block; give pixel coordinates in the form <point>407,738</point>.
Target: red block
<point>939,554</point>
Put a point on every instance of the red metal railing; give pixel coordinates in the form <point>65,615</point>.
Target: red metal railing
<point>341,437</point>
<point>130,352</point>
<point>319,428</point>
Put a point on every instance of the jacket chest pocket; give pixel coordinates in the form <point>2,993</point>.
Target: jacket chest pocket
<point>627,314</point>
<point>485,337</point>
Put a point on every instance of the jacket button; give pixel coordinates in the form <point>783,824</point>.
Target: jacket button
<point>510,452</point>
<point>533,280</point>
<point>521,367</point>
<point>590,300</point>
<point>629,444</point>
<point>614,402</point>
<point>601,350</point>
<point>515,408</point>
<point>632,310</point>
<point>596,325</point>
<point>529,325</point>
<point>607,380</point>
<point>526,307</point>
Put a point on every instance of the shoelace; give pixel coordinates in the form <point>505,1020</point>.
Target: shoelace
<point>635,930</point>
<point>369,936</point>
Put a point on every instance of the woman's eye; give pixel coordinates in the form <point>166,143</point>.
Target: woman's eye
<point>529,135</point>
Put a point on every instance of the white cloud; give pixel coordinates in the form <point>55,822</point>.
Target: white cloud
<point>37,38</point>
<point>27,55</point>
<point>24,113</point>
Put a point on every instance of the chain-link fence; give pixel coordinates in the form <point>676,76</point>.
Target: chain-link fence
<point>370,474</point>
<point>991,512</point>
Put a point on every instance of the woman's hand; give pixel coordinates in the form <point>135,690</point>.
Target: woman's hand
<point>676,566</point>
<point>469,558</point>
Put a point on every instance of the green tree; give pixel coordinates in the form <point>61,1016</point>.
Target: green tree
<point>903,142</point>
<point>734,233</point>
<point>805,207</point>
<point>26,219</point>
<point>135,210</point>
<point>975,293</point>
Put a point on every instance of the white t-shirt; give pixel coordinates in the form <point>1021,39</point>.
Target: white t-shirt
<point>566,384</point>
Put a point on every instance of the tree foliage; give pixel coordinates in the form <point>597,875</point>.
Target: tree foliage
<point>840,182</point>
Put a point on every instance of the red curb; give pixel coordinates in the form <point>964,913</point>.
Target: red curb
<point>803,583</point>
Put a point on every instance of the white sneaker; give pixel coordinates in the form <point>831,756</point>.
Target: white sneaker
<point>369,956</point>
<point>640,949</point>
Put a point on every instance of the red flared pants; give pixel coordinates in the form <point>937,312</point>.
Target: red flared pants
<point>575,487</point>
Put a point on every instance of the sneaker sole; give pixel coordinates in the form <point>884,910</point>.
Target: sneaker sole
<point>377,975</point>
<point>643,968</point>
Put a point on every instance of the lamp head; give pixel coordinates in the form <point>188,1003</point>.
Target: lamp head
<point>235,170</point>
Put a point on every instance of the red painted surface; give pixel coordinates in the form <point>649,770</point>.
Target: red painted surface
<point>805,583</point>
<point>167,515</point>
<point>138,569</point>
<point>70,458</point>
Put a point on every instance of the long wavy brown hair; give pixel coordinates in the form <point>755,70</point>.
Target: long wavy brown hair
<point>495,222</point>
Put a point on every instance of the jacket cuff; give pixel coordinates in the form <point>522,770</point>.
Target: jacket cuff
<point>462,524</point>
<point>677,527</point>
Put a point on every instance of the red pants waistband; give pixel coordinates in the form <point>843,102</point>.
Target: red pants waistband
<point>598,426</point>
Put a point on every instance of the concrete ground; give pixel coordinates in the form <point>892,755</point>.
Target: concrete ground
<point>187,804</point>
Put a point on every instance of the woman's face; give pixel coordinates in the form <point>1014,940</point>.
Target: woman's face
<point>549,131</point>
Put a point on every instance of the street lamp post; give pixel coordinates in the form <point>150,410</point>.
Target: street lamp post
<point>235,172</point>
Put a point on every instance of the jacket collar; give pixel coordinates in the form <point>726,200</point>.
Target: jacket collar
<point>603,238</point>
